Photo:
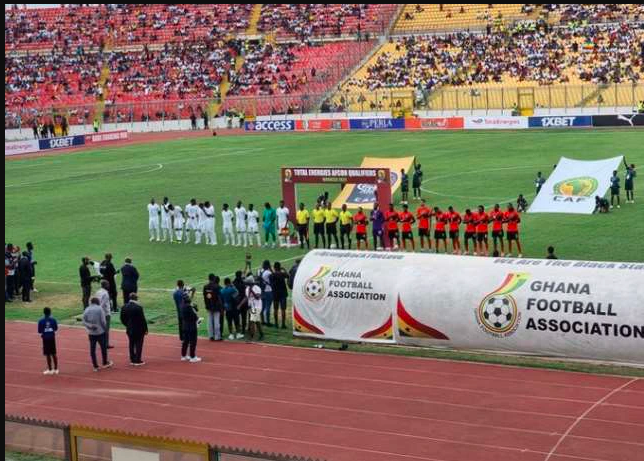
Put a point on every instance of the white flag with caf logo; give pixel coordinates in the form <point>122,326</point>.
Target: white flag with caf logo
<point>572,187</point>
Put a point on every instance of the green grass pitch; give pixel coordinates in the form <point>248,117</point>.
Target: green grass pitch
<point>94,202</point>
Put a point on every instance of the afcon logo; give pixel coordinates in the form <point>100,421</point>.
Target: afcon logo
<point>288,175</point>
<point>583,186</point>
<point>314,288</point>
<point>381,175</point>
<point>498,314</point>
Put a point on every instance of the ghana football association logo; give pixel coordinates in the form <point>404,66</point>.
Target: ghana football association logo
<point>497,314</point>
<point>583,186</point>
<point>314,288</point>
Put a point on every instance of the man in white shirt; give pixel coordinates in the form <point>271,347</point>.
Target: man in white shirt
<point>211,235</point>
<point>153,213</point>
<point>201,224</point>
<point>178,220</point>
<point>192,223</point>
<point>103,295</point>
<point>282,223</point>
<point>227,217</point>
<point>252,217</point>
<point>166,220</point>
<point>240,224</point>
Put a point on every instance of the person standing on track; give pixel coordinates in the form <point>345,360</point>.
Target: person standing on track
<point>136,327</point>
<point>153,222</point>
<point>302,217</point>
<point>24,267</point>
<point>177,297</point>
<point>229,296</point>
<point>346,221</point>
<point>103,296</point>
<point>189,322</point>
<point>129,280</point>
<point>241,302</point>
<point>278,281</point>
<point>94,322</point>
<point>254,299</point>
<point>267,292</point>
<point>108,272</point>
<point>212,302</point>
<point>47,328</point>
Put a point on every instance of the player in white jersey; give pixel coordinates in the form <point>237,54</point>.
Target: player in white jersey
<point>282,223</point>
<point>192,222</point>
<point>153,221</point>
<point>240,224</point>
<point>201,224</point>
<point>211,235</point>
<point>178,220</point>
<point>166,220</point>
<point>252,218</point>
<point>227,225</point>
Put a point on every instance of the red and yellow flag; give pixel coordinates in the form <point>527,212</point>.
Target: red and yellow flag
<point>410,327</point>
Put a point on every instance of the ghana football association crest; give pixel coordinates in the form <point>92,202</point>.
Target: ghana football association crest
<point>314,288</point>
<point>497,314</point>
<point>584,186</point>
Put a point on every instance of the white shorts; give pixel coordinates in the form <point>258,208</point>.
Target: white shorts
<point>228,228</point>
<point>253,229</point>
<point>166,224</point>
<point>192,224</point>
<point>241,228</point>
<point>178,225</point>
<point>153,224</point>
<point>255,315</point>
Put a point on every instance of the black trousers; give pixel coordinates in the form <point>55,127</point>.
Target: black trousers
<point>100,340</point>
<point>180,322</point>
<point>87,292</point>
<point>8,280</point>
<point>126,295</point>
<point>136,347</point>
<point>243,314</point>
<point>26,289</point>
<point>113,294</point>
<point>189,339</point>
<point>232,316</point>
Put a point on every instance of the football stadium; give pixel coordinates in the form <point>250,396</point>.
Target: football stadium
<point>334,232</point>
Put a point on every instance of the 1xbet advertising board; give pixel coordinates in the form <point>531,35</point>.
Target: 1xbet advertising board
<point>560,121</point>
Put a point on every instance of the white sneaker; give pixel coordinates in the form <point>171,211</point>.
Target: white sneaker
<point>151,239</point>
<point>231,336</point>
<point>239,336</point>
<point>611,207</point>
<point>195,359</point>
<point>36,291</point>
<point>48,372</point>
<point>56,371</point>
<point>508,255</point>
<point>618,206</point>
<point>185,358</point>
<point>519,255</point>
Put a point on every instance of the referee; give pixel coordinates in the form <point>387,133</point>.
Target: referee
<point>318,225</point>
<point>346,221</point>
<point>331,217</point>
<point>302,217</point>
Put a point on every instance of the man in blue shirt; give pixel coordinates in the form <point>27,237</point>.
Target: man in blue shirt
<point>177,297</point>
<point>47,327</point>
<point>614,189</point>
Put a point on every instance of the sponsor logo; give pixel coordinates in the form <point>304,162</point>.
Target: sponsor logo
<point>314,288</point>
<point>288,175</point>
<point>497,314</point>
<point>628,120</point>
<point>583,186</point>
<point>557,121</point>
<point>61,142</point>
<point>366,193</point>
<point>271,125</point>
<point>434,123</point>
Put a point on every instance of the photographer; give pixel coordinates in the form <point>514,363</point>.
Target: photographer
<point>212,301</point>
<point>242,305</point>
<point>601,205</point>
<point>189,322</point>
<point>86,279</point>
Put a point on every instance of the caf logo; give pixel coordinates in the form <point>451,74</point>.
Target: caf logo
<point>288,175</point>
<point>314,288</point>
<point>497,313</point>
<point>583,186</point>
<point>381,175</point>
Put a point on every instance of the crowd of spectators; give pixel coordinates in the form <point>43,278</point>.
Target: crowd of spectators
<point>595,54</point>
<point>590,12</point>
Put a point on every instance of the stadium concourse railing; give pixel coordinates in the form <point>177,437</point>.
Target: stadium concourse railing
<point>80,443</point>
<point>446,100</point>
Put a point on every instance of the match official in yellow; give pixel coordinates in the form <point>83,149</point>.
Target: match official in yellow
<point>346,225</point>
<point>318,224</point>
<point>331,218</point>
<point>302,217</point>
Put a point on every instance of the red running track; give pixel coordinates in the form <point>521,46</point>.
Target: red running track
<point>340,406</point>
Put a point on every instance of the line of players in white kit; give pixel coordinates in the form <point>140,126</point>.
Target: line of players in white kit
<point>168,222</point>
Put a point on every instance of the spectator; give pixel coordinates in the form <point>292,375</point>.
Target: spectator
<point>129,280</point>
<point>47,328</point>
<point>278,280</point>
<point>253,296</point>
<point>9,272</point>
<point>94,322</point>
<point>177,297</point>
<point>24,267</point>
<point>551,253</point>
<point>32,260</point>
<point>189,322</point>
<point>108,272</point>
<point>133,318</point>
<point>229,295</point>
<point>267,292</point>
<point>242,304</point>
<point>213,304</point>
<point>86,279</point>
<point>103,296</point>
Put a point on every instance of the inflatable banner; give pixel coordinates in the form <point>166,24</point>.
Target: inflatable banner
<point>576,309</point>
<point>356,195</point>
<point>572,187</point>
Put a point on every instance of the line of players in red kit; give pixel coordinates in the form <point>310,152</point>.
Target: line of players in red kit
<point>505,229</point>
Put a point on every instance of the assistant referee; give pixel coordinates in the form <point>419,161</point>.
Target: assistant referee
<point>318,225</point>
<point>302,217</point>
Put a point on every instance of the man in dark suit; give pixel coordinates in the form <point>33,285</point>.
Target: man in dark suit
<point>24,266</point>
<point>129,280</point>
<point>136,327</point>
<point>189,322</point>
<point>108,271</point>
<point>86,280</point>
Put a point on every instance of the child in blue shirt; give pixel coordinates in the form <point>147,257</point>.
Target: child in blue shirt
<point>47,327</point>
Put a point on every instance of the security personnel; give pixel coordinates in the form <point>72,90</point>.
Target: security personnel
<point>318,224</point>
<point>331,217</point>
<point>95,124</point>
<point>302,217</point>
<point>346,221</point>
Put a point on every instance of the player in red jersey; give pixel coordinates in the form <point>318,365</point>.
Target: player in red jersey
<point>469,219</point>
<point>513,219</point>
<point>498,218</point>
<point>392,217</point>
<point>424,215</point>
<point>454,222</point>
<point>407,220</point>
<point>482,220</point>
<point>361,221</point>
<point>439,229</point>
